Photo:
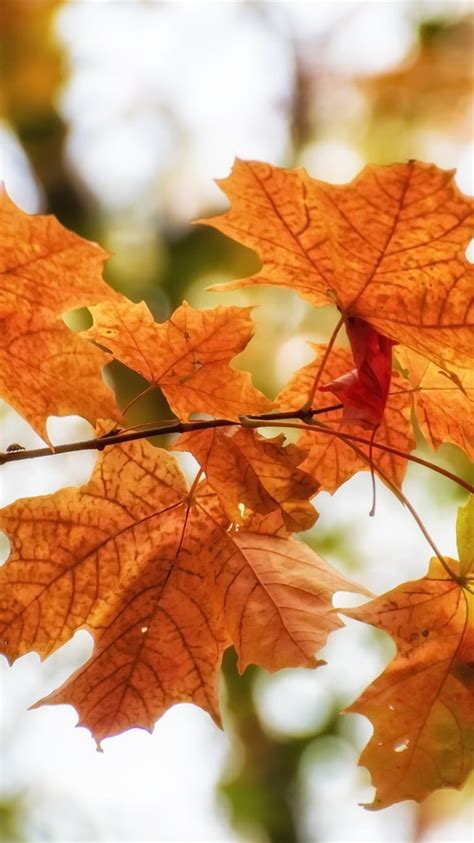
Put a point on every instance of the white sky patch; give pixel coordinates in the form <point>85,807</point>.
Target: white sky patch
<point>291,356</point>
<point>465,169</point>
<point>332,160</point>
<point>131,791</point>
<point>311,707</point>
<point>16,173</point>
<point>45,475</point>
<point>168,94</point>
<point>373,38</point>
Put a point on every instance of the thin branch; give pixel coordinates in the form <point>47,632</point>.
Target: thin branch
<point>280,419</point>
<point>350,438</point>
<point>302,414</point>
<point>106,440</point>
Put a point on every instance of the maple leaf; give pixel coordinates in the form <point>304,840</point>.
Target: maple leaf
<point>45,270</point>
<point>364,390</point>
<point>330,460</point>
<point>271,524</point>
<point>388,247</point>
<point>153,571</point>
<point>163,641</point>
<point>443,401</point>
<point>465,537</point>
<point>243,467</point>
<point>71,547</point>
<point>188,356</point>
<point>421,706</point>
<point>278,599</point>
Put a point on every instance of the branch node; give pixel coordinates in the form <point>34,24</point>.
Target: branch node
<point>248,421</point>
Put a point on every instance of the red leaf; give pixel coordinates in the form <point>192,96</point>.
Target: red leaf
<point>364,390</point>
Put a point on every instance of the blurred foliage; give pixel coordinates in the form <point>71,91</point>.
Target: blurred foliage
<point>32,69</point>
<point>431,89</point>
<point>261,787</point>
<point>32,64</point>
<point>441,806</point>
<point>164,262</point>
<point>12,812</point>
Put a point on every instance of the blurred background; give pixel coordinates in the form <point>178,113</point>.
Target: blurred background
<point>116,117</point>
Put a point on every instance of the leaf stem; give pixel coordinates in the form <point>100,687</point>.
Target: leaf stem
<point>309,402</point>
<point>372,473</point>
<point>403,499</point>
<point>146,391</point>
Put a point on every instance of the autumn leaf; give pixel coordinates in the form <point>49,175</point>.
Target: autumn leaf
<point>443,401</point>
<point>465,537</point>
<point>45,270</point>
<point>278,599</point>
<point>127,558</point>
<point>270,524</point>
<point>330,460</point>
<point>388,247</point>
<point>152,570</point>
<point>364,390</point>
<point>166,575</point>
<point>71,547</point>
<point>188,356</point>
<point>162,642</point>
<point>421,707</point>
<point>243,467</point>
<point>275,212</point>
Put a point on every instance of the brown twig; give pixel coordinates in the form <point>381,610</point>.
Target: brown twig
<point>279,419</point>
<point>350,438</point>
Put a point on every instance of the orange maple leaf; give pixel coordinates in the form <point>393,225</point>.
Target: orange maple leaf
<point>243,467</point>
<point>443,401</point>
<point>188,356</point>
<point>45,270</point>
<point>330,460</point>
<point>153,571</point>
<point>422,705</point>
<point>389,247</point>
<point>278,598</point>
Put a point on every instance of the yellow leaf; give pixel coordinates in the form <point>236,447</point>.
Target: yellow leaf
<point>465,536</point>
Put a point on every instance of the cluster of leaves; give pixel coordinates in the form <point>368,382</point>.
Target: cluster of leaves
<point>167,575</point>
